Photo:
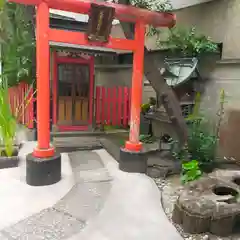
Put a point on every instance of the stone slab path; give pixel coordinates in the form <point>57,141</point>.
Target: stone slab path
<point>103,204</point>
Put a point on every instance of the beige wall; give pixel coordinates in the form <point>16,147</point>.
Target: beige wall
<point>225,76</point>
<point>110,77</point>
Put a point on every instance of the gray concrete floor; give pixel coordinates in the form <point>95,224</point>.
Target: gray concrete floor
<point>103,204</point>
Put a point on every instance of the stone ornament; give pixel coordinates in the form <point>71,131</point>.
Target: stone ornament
<point>210,204</point>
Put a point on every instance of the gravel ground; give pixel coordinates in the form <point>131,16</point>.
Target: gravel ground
<point>171,188</point>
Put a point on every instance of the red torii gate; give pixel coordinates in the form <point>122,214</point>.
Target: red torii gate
<point>44,34</point>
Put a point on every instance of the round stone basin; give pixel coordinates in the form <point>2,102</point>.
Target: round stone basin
<point>223,191</point>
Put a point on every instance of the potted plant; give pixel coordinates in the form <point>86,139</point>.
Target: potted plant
<point>188,42</point>
<point>8,129</point>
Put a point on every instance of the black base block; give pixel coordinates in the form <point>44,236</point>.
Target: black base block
<point>43,171</point>
<point>135,162</point>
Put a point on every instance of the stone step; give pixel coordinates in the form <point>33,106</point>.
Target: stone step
<point>76,134</point>
<point>76,143</point>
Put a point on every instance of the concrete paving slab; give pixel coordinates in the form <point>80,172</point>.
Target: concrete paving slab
<point>49,224</point>
<point>95,175</point>
<point>3,236</point>
<point>85,160</point>
<point>85,200</point>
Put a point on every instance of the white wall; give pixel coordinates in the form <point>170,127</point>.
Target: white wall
<point>177,4</point>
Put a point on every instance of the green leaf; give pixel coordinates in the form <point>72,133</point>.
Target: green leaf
<point>8,123</point>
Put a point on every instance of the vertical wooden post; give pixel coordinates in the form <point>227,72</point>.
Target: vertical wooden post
<point>91,91</point>
<point>136,96</point>
<point>43,149</point>
<point>54,87</point>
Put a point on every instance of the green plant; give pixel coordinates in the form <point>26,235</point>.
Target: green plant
<point>189,42</point>
<point>121,142</point>
<point>190,171</point>
<point>178,154</point>
<point>18,44</point>
<point>145,107</point>
<point>146,138</point>
<point>201,142</point>
<point>152,101</point>
<point>153,5</point>
<point>8,124</point>
<point>110,127</point>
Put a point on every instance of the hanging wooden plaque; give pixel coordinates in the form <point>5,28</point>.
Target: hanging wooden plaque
<point>100,23</point>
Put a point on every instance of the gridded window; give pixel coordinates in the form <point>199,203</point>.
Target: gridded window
<point>187,109</point>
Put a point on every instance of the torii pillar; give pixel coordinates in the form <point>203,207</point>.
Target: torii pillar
<point>44,164</point>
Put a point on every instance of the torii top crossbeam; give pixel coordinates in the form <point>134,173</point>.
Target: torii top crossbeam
<point>122,12</point>
<point>45,34</point>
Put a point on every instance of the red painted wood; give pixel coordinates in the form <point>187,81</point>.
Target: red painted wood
<point>103,109</point>
<point>136,95</point>
<point>114,106</point>
<point>27,99</point>
<point>108,105</point>
<point>30,109</point>
<point>91,90</point>
<point>22,100</point>
<point>43,77</point>
<point>122,12</point>
<point>64,128</point>
<point>72,60</point>
<point>129,104</point>
<point>54,87</point>
<point>120,105</point>
<point>17,104</point>
<point>125,106</point>
<point>21,103</point>
<point>98,105</point>
<point>79,38</point>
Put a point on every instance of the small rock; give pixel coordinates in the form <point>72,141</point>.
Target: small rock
<point>206,237</point>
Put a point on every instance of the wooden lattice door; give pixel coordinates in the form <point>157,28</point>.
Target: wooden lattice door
<point>73,94</point>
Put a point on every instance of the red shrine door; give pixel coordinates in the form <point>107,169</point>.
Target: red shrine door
<point>74,89</point>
